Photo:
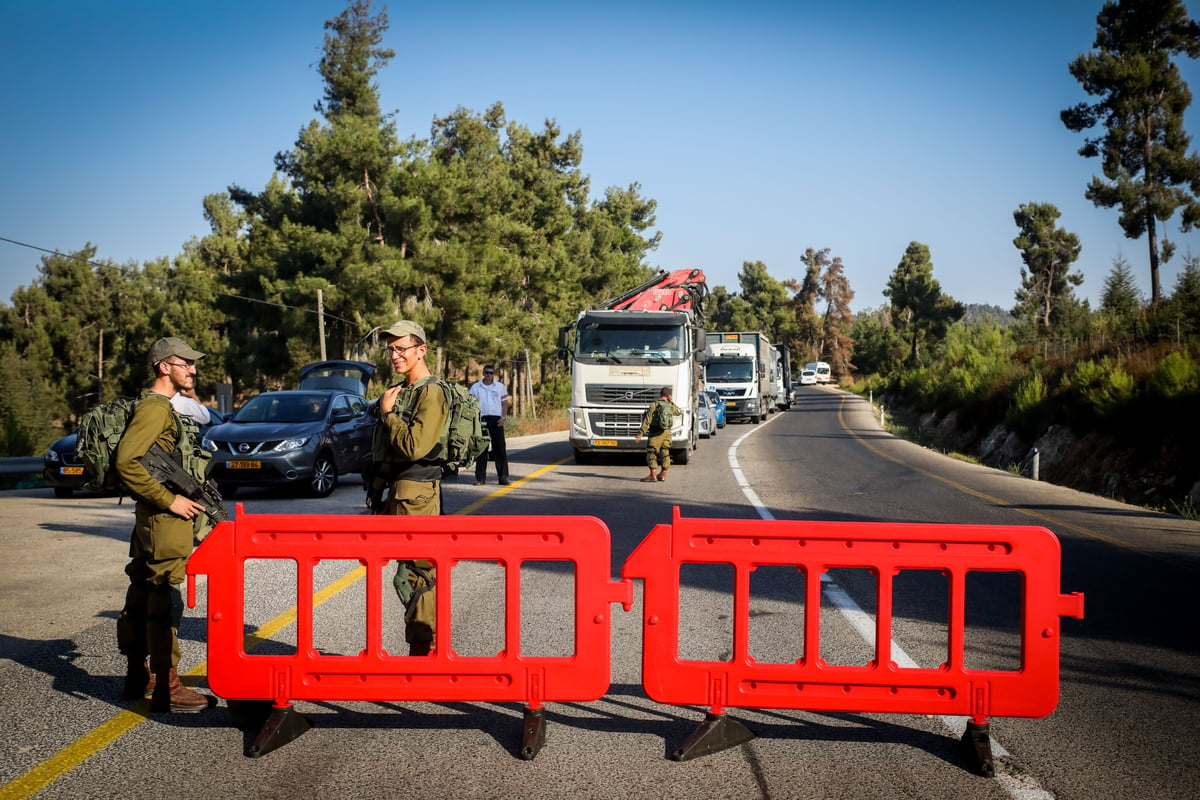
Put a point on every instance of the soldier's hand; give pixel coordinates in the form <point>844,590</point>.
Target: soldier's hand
<point>185,507</point>
<point>388,400</point>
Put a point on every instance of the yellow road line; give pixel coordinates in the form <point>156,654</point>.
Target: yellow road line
<point>83,748</point>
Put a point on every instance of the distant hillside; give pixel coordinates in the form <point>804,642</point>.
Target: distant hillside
<point>978,311</point>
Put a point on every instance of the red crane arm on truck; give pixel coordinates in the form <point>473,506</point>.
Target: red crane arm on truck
<point>681,290</point>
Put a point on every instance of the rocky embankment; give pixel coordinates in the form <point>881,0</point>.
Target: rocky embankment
<point>1162,474</point>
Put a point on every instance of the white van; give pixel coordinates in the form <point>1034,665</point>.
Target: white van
<point>821,369</point>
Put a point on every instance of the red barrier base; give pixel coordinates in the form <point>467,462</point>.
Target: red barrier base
<point>533,733</point>
<point>718,732</point>
<point>283,725</point>
<point>977,747</point>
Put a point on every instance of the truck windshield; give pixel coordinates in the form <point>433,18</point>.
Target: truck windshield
<point>622,343</point>
<point>720,370</point>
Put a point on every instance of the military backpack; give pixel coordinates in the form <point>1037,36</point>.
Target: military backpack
<point>463,440</point>
<point>664,415</point>
<point>99,433</point>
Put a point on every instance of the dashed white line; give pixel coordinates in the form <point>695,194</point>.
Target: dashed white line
<point>1018,787</point>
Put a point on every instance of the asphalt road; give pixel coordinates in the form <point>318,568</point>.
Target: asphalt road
<point>1124,727</point>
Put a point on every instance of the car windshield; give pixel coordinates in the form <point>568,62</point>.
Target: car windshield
<point>283,408</point>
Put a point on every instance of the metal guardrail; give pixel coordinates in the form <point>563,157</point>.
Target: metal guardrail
<point>21,465</point>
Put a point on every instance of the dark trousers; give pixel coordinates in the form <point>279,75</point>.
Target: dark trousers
<point>498,450</point>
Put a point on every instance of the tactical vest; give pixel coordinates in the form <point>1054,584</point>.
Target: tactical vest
<point>386,463</point>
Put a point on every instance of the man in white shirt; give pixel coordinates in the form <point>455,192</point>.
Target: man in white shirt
<point>494,404</point>
<point>186,402</point>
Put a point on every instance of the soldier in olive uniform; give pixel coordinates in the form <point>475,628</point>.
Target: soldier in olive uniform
<point>161,542</point>
<point>406,454</point>
<point>658,446</point>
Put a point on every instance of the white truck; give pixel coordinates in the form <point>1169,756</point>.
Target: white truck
<point>623,353</point>
<point>782,376</point>
<point>739,368</point>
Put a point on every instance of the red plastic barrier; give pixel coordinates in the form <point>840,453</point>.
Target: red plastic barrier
<point>882,685</point>
<point>373,673</point>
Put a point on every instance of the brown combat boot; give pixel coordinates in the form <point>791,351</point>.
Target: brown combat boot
<point>662,475</point>
<point>138,680</point>
<point>172,696</point>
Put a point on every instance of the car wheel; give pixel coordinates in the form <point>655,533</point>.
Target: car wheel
<point>63,491</point>
<point>680,456</point>
<point>324,477</point>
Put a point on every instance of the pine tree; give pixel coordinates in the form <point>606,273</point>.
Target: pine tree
<point>920,311</point>
<point>1143,148</point>
<point>1048,253</point>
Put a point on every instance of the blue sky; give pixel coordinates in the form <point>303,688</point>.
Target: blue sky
<point>761,128</point>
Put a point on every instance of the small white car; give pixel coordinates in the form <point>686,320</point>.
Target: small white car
<point>808,377</point>
<point>706,416</point>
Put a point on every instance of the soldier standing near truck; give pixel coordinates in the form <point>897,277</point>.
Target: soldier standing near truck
<point>657,423</point>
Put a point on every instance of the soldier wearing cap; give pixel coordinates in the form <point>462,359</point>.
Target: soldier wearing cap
<point>407,472</point>
<point>161,542</point>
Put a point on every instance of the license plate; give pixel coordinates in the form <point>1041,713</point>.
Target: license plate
<point>604,443</point>
<point>243,465</point>
<point>72,471</point>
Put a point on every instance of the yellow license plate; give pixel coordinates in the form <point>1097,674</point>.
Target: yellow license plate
<point>243,464</point>
<point>604,443</point>
<point>72,470</point>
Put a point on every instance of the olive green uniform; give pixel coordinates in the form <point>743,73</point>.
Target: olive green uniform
<point>405,452</point>
<point>658,443</point>
<point>161,542</point>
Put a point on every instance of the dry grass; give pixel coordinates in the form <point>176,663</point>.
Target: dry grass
<point>529,426</point>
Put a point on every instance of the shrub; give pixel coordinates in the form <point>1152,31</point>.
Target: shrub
<point>1105,386</point>
<point>1177,375</point>
<point>1028,402</point>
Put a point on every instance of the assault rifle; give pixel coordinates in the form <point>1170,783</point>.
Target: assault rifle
<point>167,469</point>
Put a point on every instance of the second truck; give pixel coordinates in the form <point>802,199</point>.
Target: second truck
<point>741,367</point>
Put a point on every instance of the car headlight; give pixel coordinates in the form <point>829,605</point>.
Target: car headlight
<point>51,455</point>
<point>208,444</point>
<point>288,445</point>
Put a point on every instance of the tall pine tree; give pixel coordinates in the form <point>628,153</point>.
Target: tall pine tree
<point>1143,147</point>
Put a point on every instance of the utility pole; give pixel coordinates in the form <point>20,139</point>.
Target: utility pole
<point>321,320</point>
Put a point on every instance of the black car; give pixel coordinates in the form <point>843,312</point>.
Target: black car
<point>63,471</point>
<point>299,437</point>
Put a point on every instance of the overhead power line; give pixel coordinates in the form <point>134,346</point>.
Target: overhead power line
<point>178,282</point>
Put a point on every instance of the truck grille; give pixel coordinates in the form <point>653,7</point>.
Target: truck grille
<point>621,395</point>
<point>615,424</point>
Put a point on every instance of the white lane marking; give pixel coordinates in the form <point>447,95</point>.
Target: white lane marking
<point>738,475</point>
<point>1018,787</point>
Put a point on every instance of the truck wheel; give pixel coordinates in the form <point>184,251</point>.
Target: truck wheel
<point>680,456</point>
